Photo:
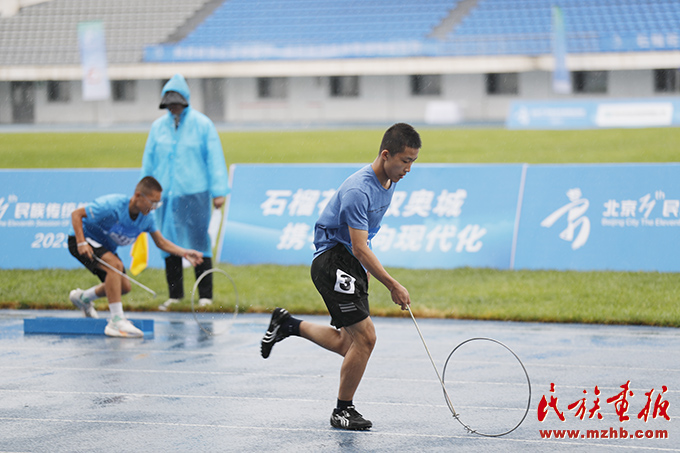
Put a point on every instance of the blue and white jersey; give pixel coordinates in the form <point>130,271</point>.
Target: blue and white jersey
<point>108,222</point>
<point>360,203</point>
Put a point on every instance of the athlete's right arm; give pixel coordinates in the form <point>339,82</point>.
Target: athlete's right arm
<point>193,256</point>
<point>365,255</point>
<point>77,217</point>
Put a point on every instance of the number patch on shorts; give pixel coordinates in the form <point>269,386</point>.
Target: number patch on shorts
<point>344,283</point>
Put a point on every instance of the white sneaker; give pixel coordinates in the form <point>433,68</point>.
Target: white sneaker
<point>121,327</point>
<point>204,302</point>
<point>76,297</point>
<point>165,305</point>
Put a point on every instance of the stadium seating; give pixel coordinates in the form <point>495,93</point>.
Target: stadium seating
<point>175,30</point>
<point>46,34</point>
<point>301,22</point>
<point>525,26</point>
<point>492,27</point>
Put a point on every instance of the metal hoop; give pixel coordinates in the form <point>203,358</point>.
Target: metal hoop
<point>193,296</point>
<point>526,412</point>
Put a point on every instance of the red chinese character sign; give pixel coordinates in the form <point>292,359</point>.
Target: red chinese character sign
<point>654,407</point>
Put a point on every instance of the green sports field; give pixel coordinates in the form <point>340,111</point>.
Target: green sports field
<point>124,150</point>
<point>591,297</point>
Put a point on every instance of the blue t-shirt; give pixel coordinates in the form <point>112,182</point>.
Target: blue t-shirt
<point>360,203</point>
<point>108,222</point>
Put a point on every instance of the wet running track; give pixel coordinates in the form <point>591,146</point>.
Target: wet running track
<point>185,390</point>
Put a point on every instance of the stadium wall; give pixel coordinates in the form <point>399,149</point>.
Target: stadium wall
<point>381,99</point>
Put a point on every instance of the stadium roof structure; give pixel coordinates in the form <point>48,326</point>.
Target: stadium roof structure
<point>245,38</point>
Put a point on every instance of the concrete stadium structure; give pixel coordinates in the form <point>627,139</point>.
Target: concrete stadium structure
<point>41,73</point>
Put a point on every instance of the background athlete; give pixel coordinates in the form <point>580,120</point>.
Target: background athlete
<point>340,268</point>
<point>98,229</point>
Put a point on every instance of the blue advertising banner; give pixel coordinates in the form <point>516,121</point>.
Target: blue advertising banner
<point>639,41</point>
<point>580,217</point>
<point>35,213</point>
<point>442,216</point>
<point>527,44</point>
<point>600,217</point>
<point>588,114</point>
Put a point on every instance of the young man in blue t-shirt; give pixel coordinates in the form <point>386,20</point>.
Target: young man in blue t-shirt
<point>342,262</point>
<point>98,228</point>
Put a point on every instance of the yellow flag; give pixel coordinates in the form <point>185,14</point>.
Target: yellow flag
<point>140,254</point>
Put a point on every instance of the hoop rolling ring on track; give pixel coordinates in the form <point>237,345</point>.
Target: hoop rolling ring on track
<point>203,324</point>
<point>526,374</point>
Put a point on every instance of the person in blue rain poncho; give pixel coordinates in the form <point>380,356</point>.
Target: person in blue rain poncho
<point>184,153</point>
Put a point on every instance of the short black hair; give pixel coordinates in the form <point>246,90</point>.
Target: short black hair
<point>148,184</point>
<point>398,137</point>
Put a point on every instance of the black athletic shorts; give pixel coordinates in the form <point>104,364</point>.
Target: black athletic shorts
<point>343,283</point>
<point>91,265</point>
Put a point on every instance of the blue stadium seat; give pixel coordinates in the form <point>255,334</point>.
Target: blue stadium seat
<point>492,27</point>
<point>294,22</point>
<point>525,26</point>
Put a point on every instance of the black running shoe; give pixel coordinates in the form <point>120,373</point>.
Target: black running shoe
<point>349,419</point>
<point>279,316</point>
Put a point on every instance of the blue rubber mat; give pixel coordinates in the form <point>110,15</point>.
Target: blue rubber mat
<point>78,326</point>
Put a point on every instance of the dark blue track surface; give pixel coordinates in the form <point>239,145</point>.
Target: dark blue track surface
<point>184,390</point>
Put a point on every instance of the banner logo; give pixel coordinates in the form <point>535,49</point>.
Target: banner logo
<point>576,219</point>
<point>3,207</point>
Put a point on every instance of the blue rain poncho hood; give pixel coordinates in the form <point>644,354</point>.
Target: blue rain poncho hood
<point>179,84</point>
